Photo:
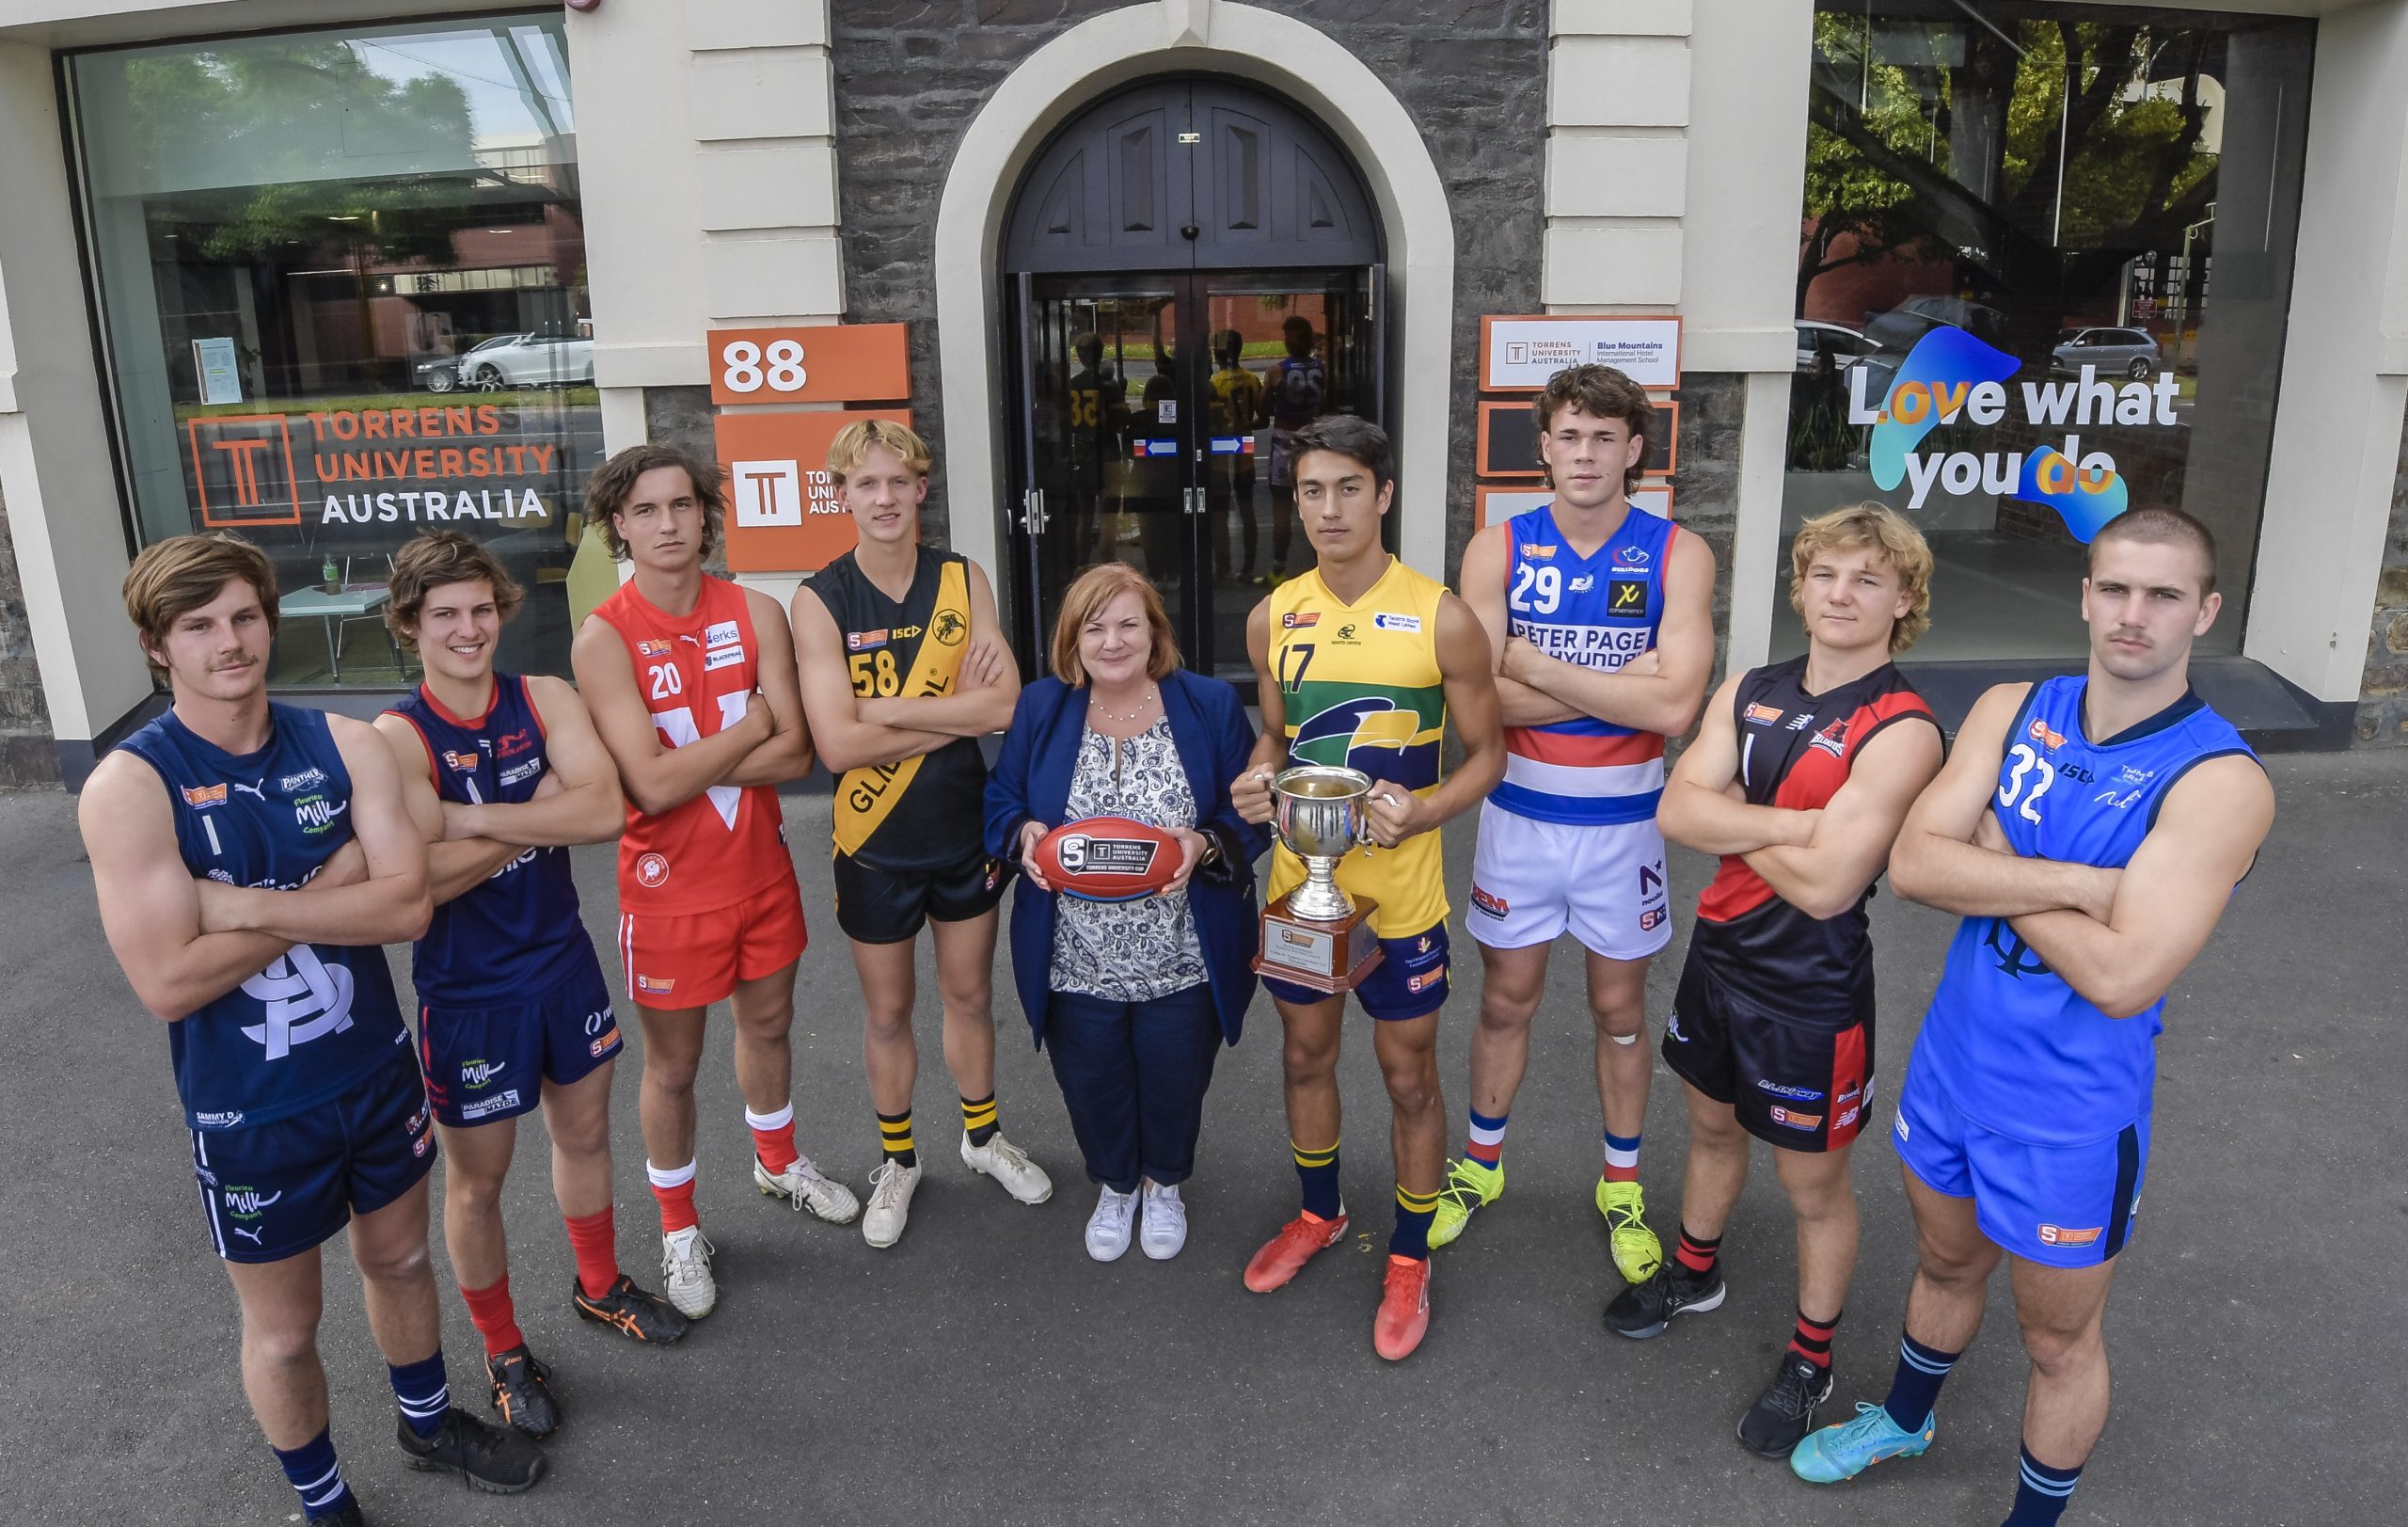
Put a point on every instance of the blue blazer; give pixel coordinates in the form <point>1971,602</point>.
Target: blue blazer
<point>1031,780</point>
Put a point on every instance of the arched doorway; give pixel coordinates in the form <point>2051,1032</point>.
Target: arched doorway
<point>1192,270</point>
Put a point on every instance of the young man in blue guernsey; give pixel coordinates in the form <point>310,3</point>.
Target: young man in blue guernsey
<point>249,858</point>
<point>1602,619</point>
<point>2089,874</point>
<point>502,773</point>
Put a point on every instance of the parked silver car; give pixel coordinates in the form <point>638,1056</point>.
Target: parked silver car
<point>1816,338</point>
<point>529,360</point>
<point>2129,351</point>
<point>446,375</point>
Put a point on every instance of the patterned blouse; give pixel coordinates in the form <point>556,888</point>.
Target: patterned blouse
<point>1129,951</point>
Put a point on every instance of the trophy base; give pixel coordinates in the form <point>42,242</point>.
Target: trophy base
<point>1330,955</point>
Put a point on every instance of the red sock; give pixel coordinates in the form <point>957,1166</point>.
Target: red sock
<point>677,1205</point>
<point>1812,1340</point>
<point>1699,1257</point>
<point>495,1318</point>
<point>773,1137</point>
<point>595,1241</point>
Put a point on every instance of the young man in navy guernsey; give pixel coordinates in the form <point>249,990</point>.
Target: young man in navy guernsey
<point>1798,780</point>
<point>501,774</point>
<point>249,858</point>
<point>2088,874</point>
<point>1602,619</point>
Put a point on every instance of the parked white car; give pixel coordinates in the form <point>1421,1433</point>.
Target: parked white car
<point>529,360</point>
<point>2130,351</point>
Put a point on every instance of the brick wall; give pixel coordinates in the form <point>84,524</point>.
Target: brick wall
<point>911,73</point>
<point>27,756</point>
<point>2383,702</point>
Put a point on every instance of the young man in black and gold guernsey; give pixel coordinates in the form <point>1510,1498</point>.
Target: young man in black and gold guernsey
<point>903,669</point>
<point>1361,661</point>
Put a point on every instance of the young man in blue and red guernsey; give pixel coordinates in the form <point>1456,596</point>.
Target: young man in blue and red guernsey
<point>1799,779</point>
<point>1601,615</point>
<point>249,858</point>
<point>689,679</point>
<point>502,774</point>
<point>2089,875</point>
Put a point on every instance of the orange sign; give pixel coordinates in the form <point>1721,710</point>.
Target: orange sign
<point>243,465</point>
<point>819,363</point>
<point>783,514</point>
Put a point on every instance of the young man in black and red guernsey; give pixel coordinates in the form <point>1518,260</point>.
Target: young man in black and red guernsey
<point>902,668</point>
<point>502,773</point>
<point>249,857</point>
<point>1800,779</point>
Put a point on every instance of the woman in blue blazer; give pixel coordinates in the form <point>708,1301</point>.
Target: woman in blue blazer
<point>1132,1000</point>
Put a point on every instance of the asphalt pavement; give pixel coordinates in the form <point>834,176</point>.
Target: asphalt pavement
<point>985,1371</point>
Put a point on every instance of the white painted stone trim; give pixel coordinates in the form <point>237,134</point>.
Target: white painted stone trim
<point>1116,48</point>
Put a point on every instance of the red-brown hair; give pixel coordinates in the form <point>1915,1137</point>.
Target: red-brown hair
<point>1084,600</point>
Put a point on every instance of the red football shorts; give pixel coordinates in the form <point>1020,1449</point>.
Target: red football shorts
<point>692,962</point>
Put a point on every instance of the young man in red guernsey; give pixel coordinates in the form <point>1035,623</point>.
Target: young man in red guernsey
<point>692,683</point>
<point>1800,779</point>
<point>504,773</point>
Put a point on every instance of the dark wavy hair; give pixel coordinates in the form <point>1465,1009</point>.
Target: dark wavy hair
<point>607,490</point>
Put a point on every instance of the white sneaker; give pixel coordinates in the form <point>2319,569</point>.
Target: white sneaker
<point>1009,1165</point>
<point>890,1203</point>
<point>1108,1226</point>
<point>685,1272</point>
<point>1163,1227</point>
<point>805,1186</point>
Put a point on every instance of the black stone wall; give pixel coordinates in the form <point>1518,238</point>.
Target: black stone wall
<point>911,73</point>
<point>2383,702</point>
<point>27,756</point>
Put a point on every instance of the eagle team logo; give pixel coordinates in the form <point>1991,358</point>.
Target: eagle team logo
<point>301,998</point>
<point>1373,734</point>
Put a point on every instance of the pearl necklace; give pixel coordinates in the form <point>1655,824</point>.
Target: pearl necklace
<point>1132,714</point>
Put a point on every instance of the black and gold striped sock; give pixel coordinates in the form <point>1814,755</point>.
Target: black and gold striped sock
<point>1411,1237</point>
<point>980,1120</point>
<point>1317,1171</point>
<point>895,1133</point>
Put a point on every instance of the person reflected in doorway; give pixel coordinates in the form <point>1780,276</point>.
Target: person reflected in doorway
<point>1236,403</point>
<point>1296,394</point>
<point>1098,409</point>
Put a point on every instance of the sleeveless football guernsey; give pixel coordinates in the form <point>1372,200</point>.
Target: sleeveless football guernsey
<point>697,673</point>
<point>518,933</point>
<point>928,812</point>
<point>2020,1051</point>
<point>318,1019</point>
<point>1796,750</point>
<point>1598,611</point>
<point>1362,690</point>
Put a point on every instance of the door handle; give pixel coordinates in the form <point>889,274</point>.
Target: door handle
<point>1032,518</point>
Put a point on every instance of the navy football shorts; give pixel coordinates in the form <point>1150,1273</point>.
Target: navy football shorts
<point>274,1190</point>
<point>1410,982</point>
<point>491,1062</point>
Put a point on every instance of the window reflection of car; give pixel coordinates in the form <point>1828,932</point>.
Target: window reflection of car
<point>2129,351</point>
<point>531,360</point>
<point>1910,320</point>
<point>444,376</point>
<point>1816,338</point>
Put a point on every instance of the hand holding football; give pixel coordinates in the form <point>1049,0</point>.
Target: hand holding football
<point>1108,859</point>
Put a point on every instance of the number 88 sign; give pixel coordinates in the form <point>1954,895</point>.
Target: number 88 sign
<point>819,363</point>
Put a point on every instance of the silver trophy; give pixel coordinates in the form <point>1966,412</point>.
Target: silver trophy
<point>1317,810</point>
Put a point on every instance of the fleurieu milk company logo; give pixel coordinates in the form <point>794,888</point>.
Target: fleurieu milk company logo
<point>1950,376</point>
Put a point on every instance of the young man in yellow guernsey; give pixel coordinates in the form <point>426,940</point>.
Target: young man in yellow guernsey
<point>903,668</point>
<point>1360,662</point>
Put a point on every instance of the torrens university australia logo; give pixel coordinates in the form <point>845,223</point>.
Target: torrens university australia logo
<point>1950,377</point>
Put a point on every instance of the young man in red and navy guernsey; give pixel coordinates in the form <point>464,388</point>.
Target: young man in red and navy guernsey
<point>249,858</point>
<point>690,682</point>
<point>1601,615</point>
<point>503,773</point>
<point>1799,779</point>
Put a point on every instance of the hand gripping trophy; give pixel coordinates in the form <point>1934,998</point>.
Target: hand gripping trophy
<point>1316,936</point>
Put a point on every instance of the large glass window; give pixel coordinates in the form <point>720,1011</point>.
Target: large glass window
<point>2042,278</point>
<point>342,292</point>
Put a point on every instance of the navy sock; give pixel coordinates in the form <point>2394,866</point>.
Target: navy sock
<point>2041,1493</point>
<point>1915,1388</point>
<point>1317,1170</point>
<point>314,1474</point>
<point>422,1393</point>
<point>1414,1211</point>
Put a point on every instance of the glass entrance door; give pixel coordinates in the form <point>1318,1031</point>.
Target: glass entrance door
<point>1156,416</point>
